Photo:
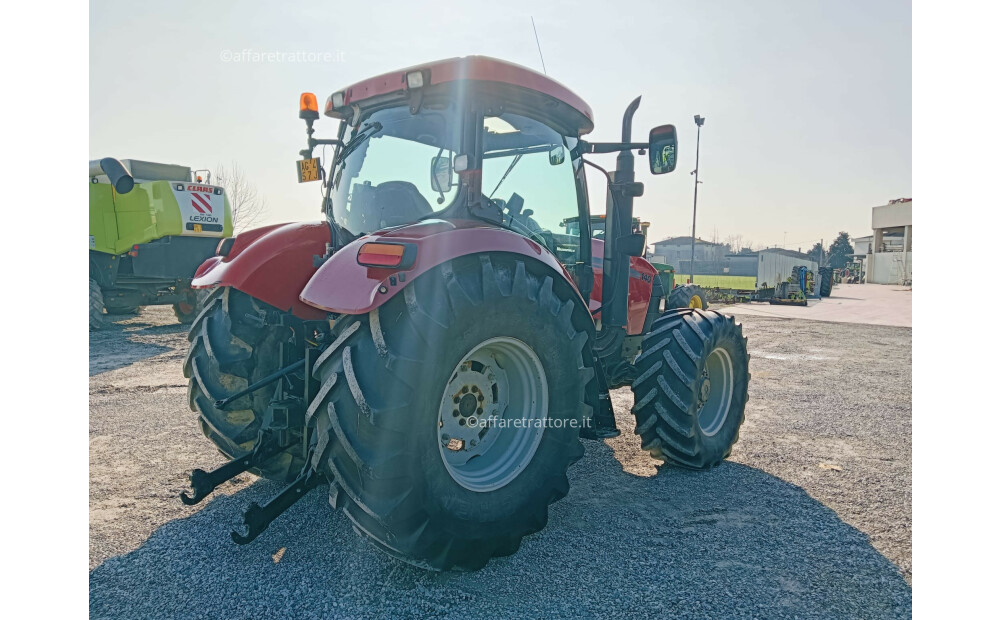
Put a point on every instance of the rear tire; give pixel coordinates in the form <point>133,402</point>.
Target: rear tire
<point>687,296</point>
<point>691,391</point>
<point>227,354</point>
<point>380,420</point>
<point>97,318</point>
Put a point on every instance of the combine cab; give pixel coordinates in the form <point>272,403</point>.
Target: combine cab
<point>151,225</point>
<point>436,347</point>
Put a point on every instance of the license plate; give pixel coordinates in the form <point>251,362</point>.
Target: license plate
<point>308,170</point>
<point>197,227</point>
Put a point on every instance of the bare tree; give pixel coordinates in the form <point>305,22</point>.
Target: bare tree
<point>735,242</point>
<point>246,202</point>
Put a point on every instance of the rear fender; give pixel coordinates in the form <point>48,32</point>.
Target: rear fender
<point>272,264</point>
<point>343,286</point>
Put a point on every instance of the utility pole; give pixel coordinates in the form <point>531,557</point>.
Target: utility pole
<point>699,121</point>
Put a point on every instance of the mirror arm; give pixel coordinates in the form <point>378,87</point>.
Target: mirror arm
<point>606,147</point>
<point>307,153</point>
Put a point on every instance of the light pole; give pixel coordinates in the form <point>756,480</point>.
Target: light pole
<point>699,121</point>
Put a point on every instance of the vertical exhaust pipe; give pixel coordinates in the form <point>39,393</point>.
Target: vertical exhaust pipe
<point>618,223</point>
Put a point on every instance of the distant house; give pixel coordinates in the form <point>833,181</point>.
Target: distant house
<point>676,251</point>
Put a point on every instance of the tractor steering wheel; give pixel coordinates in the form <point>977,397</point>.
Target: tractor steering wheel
<point>514,207</point>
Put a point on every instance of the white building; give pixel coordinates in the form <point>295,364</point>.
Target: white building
<point>890,257</point>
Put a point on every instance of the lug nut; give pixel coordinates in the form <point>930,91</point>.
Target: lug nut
<point>455,399</point>
<point>465,389</point>
<point>481,398</point>
<point>455,413</point>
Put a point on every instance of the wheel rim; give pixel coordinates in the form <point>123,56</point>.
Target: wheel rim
<point>715,391</point>
<point>500,380</point>
<point>695,302</point>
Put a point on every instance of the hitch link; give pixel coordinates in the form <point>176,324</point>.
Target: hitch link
<point>257,517</point>
<point>204,482</point>
<point>265,381</point>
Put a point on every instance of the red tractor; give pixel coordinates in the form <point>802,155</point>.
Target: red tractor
<point>435,348</point>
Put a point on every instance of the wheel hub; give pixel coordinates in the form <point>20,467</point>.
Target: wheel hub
<point>715,392</point>
<point>706,388</point>
<point>500,378</point>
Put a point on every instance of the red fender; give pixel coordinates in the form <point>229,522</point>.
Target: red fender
<point>271,264</point>
<point>342,285</point>
<point>640,287</point>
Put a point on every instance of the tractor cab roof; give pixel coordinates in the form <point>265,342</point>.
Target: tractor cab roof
<point>513,83</point>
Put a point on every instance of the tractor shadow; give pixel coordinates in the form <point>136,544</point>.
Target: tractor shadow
<point>731,542</point>
<point>130,339</point>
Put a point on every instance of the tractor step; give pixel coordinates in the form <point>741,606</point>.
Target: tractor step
<point>257,517</point>
<point>204,482</point>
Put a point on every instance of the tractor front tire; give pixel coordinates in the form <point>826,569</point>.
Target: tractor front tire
<point>480,338</point>
<point>97,318</point>
<point>687,296</point>
<point>227,354</point>
<point>691,390</point>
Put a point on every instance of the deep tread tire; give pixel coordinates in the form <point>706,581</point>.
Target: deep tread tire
<point>97,318</point>
<point>682,295</point>
<point>674,355</point>
<point>227,354</point>
<point>376,412</point>
<point>826,283</point>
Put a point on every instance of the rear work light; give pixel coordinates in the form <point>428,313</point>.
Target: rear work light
<point>388,255</point>
<point>414,79</point>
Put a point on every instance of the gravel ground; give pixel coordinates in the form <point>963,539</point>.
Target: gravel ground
<point>811,517</point>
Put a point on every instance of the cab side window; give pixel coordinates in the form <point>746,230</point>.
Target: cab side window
<point>529,175</point>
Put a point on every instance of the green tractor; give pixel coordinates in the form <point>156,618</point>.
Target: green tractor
<point>151,225</point>
<point>680,295</point>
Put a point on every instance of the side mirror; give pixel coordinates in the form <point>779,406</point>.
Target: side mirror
<point>662,149</point>
<point>441,174</point>
<point>557,155</point>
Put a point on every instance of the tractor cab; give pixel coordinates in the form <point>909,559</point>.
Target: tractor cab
<point>479,142</point>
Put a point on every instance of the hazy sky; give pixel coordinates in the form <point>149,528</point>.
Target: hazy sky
<point>807,101</point>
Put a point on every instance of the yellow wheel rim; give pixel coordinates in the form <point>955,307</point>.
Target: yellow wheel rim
<point>695,302</point>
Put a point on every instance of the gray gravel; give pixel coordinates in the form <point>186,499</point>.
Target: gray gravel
<point>810,518</point>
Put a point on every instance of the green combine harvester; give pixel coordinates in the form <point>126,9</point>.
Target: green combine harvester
<point>151,226</point>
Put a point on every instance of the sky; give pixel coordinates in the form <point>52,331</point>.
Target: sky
<point>807,102</point>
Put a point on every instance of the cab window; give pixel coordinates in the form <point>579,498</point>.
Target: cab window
<point>529,175</point>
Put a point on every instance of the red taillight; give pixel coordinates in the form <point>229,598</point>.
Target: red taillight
<point>134,251</point>
<point>378,254</point>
